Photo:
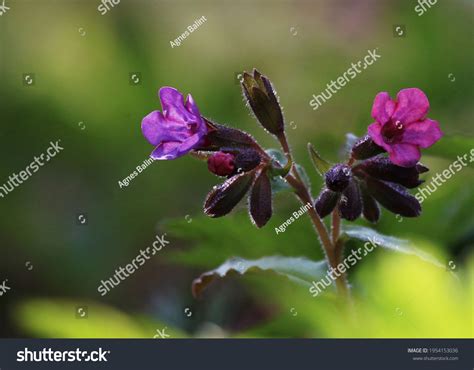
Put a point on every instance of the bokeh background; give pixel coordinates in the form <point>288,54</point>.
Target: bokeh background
<point>82,94</point>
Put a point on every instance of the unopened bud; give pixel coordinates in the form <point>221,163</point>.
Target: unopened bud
<point>338,177</point>
<point>221,164</point>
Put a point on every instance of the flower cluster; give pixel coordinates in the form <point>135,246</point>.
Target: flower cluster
<point>355,188</point>
<point>359,189</point>
<point>370,178</point>
<point>230,152</point>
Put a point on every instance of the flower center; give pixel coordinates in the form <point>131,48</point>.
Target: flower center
<point>392,132</point>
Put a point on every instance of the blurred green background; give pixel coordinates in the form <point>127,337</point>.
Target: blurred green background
<point>82,94</point>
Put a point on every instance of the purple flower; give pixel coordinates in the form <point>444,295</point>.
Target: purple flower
<point>176,131</point>
<point>401,126</point>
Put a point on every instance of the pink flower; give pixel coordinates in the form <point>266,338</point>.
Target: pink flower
<point>401,126</point>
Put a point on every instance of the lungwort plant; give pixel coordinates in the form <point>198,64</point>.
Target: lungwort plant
<point>381,166</point>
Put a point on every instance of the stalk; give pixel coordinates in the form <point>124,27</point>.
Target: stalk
<point>332,248</point>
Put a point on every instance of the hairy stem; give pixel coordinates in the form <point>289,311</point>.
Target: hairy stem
<point>336,226</point>
<point>331,247</point>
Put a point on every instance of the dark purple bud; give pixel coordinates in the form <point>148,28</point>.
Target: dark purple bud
<point>350,205</point>
<point>326,202</point>
<point>221,164</point>
<point>365,148</point>
<point>262,100</point>
<point>393,197</point>
<point>246,159</point>
<point>370,208</point>
<point>219,136</point>
<point>223,198</point>
<point>421,168</point>
<point>338,177</point>
<point>261,200</point>
<point>383,169</point>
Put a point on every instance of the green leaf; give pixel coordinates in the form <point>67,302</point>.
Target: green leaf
<point>279,185</point>
<point>277,155</point>
<point>322,166</point>
<point>206,242</point>
<point>366,234</point>
<point>298,269</point>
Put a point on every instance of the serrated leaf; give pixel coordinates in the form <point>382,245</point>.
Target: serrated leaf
<point>298,269</point>
<point>366,234</point>
<point>322,166</point>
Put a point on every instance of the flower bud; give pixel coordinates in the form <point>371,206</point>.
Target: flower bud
<point>221,164</point>
<point>421,168</point>
<point>223,198</point>
<point>260,201</point>
<point>370,208</point>
<point>220,136</point>
<point>365,148</point>
<point>326,202</point>
<point>246,159</point>
<point>382,168</point>
<point>393,197</point>
<point>261,98</point>
<point>338,177</point>
<point>350,205</point>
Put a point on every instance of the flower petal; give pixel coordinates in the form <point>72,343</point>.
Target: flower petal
<point>422,133</point>
<point>173,106</point>
<point>166,150</point>
<point>157,129</point>
<point>375,132</point>
<point>191,106</point>
<point>189,144</point>
<point>383,108</point>
<point>151,124</point>
<point>405,155</point>
<point>412,106</point>
<point>174,149</point>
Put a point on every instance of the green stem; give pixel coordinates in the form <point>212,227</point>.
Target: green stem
<point>331,247</point>
<point>336,226</point>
